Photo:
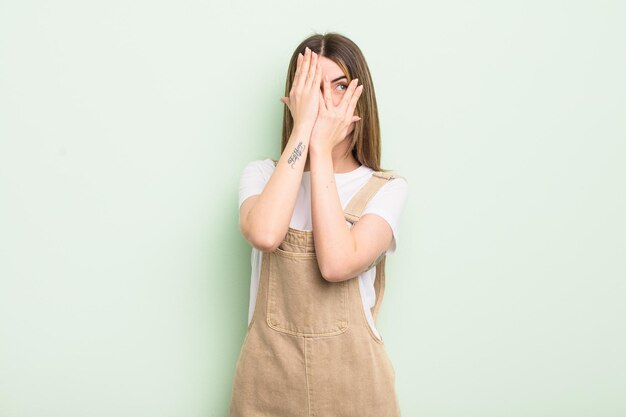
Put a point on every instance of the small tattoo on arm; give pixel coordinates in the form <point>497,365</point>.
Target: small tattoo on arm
<point>297,152</point>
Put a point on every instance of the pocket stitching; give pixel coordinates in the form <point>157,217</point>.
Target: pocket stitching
<point>271,301</point>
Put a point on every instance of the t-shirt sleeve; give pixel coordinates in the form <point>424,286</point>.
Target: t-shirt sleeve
<point>389,203</point>
<point>254,177</point>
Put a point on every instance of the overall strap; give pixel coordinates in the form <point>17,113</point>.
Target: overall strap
<point>353,212</point>
<point>357,204</point>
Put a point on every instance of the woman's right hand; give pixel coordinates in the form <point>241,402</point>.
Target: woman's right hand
<point>303,100</point>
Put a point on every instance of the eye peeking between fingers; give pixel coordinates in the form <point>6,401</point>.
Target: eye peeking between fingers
<point>345,87</point>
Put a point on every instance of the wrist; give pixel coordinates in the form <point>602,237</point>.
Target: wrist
<point>302,129</point>
<point>319,149</point>
<point>300,135</point>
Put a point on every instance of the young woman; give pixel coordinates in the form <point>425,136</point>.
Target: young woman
<point>321,220</point>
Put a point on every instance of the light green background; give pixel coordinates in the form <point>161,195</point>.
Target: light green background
<point>124,127</point>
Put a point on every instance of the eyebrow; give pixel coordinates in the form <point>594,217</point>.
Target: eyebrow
<point>339,78</point>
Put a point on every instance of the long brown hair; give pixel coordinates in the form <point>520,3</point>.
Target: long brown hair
<point>365,138</point>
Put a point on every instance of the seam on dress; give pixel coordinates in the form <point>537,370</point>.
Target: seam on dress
<point>306,374</point>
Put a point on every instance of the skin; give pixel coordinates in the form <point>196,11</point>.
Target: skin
<point>323,113</point>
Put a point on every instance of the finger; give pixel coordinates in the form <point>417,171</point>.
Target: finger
<point>354,99</point>
<point>322,106</point>
<point>318,75</point>
<point>304,70</point>
<point>298,69</point>
<point>312,70</point>
<point>343,104</point>
<point>327,93</point>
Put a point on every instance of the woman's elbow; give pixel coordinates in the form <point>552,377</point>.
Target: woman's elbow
<point>333,273</point>
<point>265,243</point>
<point>262,240</point>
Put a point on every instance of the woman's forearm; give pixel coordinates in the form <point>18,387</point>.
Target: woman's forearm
<point>269,219</point>
<point>333,240</point>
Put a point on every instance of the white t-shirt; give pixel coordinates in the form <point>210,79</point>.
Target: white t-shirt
<point>387,203</point>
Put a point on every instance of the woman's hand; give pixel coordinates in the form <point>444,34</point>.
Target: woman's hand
<point>332,123</point>
<point>304,97</point>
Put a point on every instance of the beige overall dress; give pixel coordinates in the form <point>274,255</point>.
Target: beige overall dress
<point>309,350</point>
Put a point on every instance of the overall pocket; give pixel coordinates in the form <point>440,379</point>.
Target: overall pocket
<point>300,301</point>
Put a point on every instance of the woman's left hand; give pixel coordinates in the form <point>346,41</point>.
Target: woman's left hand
<point>333,122</point>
